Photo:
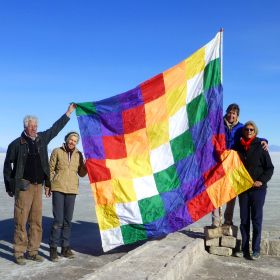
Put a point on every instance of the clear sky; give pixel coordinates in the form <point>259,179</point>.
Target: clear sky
<point>53,52</point>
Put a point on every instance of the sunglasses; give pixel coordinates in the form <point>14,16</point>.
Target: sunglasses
<point>249,129</point>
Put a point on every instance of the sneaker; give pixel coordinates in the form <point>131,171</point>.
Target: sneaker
<point>67,253</point>
<point>238,254</point>
<point>35,258</point>
<point>255,256</point>
<point>53,254</point>
<point>20,260</point>
<point>242,255</point>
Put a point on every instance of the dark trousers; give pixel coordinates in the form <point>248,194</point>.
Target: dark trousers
<point>251,207</point>
<point>63,208</point>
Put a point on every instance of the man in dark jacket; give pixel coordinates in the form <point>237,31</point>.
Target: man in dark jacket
<point>26,169</point>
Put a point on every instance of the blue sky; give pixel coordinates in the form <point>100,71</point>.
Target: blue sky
<point>54,52</point>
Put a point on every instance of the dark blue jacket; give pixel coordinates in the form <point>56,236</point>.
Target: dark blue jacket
<point>233,135</point>
<point>17,154</point>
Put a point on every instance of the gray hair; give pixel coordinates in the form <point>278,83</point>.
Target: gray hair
<point>253,125</point>
<point>29,118</point>
<point>72,133</point>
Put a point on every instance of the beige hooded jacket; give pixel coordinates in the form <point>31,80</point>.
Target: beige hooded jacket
<point>64,171</point>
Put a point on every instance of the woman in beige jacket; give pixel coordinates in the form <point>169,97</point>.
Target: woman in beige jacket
<point>66,163</point>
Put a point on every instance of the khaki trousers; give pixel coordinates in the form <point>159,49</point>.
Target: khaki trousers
<point>229,212</point>
<point>28,211</point>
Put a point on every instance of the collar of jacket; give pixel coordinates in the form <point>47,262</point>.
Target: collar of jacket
<point>64,149</point>
<point>23,140</point>
<point>231,125</point>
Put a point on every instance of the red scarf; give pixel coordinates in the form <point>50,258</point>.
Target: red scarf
<point>246,143</point>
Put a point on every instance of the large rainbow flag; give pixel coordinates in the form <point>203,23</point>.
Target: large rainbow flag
<point>156,154</point>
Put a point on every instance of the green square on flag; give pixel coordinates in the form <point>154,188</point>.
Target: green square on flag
<point>86,108</point>
<point>133,233</point>
<point>197,110</point>
<point>212,75</point>
<point>151,209</point>
<point>167,179</point>
<point>182,146</point>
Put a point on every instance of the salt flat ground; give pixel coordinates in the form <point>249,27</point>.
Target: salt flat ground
<point>85,237</point>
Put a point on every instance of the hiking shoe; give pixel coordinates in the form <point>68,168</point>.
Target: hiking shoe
<point>53,254</point>
<point>67,253</point>
<point>255,256</point>
<point>20,260</point>
<point>247,256</point>
<point>35,258</point>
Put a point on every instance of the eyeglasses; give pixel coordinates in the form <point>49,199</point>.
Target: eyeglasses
<point>249,129</point>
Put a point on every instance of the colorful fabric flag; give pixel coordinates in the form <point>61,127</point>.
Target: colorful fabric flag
<point>156,155</point>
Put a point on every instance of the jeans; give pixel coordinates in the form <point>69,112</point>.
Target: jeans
<point>251,207</point>
<point>63,208</point>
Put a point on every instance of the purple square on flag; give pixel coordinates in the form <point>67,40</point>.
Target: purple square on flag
<point>214,98</point>
<point>93,147</point>
<point>131,98</point>
<point>89,126</point>
<point>201,133</point>
<point>187,169</point>
<point>108,105</point>
<point>206,156</point>
<point>191,189</point>
<point>158,228</point>
<point>217,127</point>
<point>179,218</point>
<point>111,124</point>
<point>172,199</point>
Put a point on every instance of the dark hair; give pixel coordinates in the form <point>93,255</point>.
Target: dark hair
<point>233,107</point>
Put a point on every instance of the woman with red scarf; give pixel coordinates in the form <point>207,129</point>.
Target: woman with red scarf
<point>258,163</point>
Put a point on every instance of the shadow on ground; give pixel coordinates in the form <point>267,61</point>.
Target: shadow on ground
<point>85,239</point>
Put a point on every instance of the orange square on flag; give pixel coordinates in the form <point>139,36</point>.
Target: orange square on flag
<point>175,77</point>
<point>156,111</point>
<point>103,192</point>
<point>221,192</point>
<point>118,168</point>
<point>136,142</point>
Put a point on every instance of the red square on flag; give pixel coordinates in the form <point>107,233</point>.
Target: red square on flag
<point>219,143</point>
<point>153,88</point>
<point>200,206</point>
<point>97,170</point>
<point>134,119</point>
<point>213,175</point>
<point>114,147</point>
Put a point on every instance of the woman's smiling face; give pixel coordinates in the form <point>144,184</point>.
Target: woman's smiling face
<point>249,131</point>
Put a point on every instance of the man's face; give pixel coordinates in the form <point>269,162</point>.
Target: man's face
<point>232,116</point>
<point>31,129</point>
<point>72,142</point>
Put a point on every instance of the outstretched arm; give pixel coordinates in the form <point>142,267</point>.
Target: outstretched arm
<point>70,109</point>
<point>50,133</point>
